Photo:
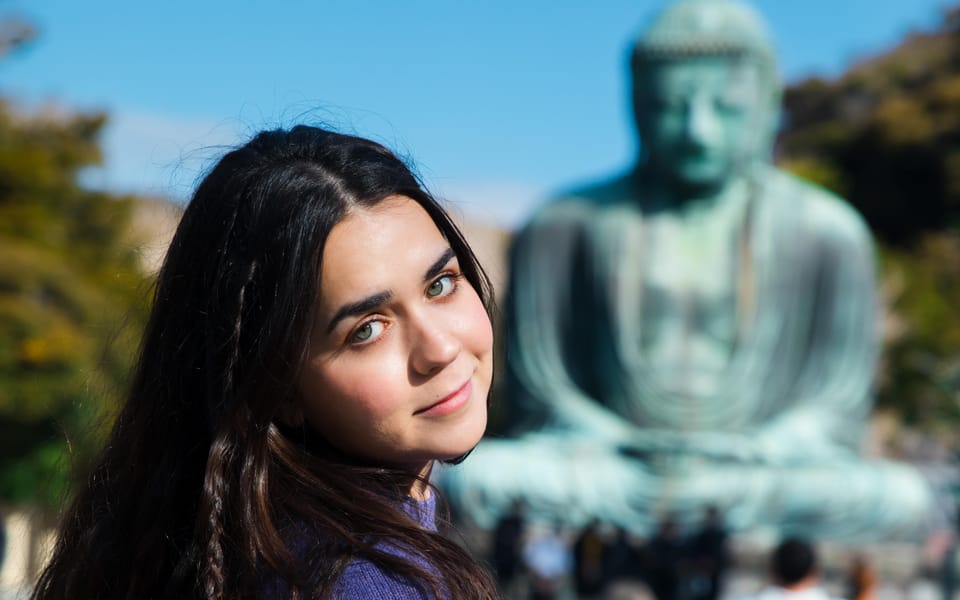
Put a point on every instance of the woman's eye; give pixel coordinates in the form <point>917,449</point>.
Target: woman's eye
<point>441,287</point>
<point>369,331</point>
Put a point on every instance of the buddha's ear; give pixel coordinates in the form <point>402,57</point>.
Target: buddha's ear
<point>771,126</point>
<point>289,413</point>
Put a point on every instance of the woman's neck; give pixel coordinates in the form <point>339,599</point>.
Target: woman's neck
<point>420,489</point>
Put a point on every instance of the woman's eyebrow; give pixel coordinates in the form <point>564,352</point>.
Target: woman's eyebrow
<point>370,302</point>
<point>358,308</point>
<point>438,266</point>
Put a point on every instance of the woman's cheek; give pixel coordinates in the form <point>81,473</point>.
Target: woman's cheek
<point>481,329</point>
<point>375,382</point>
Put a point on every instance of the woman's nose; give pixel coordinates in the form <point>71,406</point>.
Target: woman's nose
<point>434,345</point>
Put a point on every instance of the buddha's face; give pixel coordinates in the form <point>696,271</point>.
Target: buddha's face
<point>701,118</point>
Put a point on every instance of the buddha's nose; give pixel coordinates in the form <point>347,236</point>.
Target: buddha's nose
<point>702,125</point>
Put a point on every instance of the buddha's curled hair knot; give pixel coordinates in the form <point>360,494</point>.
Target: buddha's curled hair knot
<point>706,27</point>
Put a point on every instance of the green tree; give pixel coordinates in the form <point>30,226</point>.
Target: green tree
<point>886,136</point>
<point>70,279</point>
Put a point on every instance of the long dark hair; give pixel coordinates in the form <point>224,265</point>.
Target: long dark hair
<point>200,486</point>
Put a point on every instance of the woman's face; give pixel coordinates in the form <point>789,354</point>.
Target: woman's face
<point>401,353</point>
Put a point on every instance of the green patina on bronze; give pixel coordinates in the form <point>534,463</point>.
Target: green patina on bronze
<point>699,330</point>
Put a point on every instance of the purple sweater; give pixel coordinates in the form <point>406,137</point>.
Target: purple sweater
<point>364,580</point>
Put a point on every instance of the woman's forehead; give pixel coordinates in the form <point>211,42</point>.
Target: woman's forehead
<point>374,249</point>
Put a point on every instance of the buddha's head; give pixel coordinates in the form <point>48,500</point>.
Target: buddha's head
<point>706,94</point>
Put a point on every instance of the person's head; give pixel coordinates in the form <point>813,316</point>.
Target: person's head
<point>320,334</point>
<point>705,92</point>
<point>793,563</point>
<point>321,287</point>
<point>517,506</point>
<point>712,516</point>
<point>667,527</point>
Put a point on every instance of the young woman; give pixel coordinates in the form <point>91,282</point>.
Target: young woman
<point>319,337</point>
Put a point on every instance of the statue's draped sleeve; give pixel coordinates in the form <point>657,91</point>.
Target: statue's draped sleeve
<point>547,370</point>
<point>831,393</point>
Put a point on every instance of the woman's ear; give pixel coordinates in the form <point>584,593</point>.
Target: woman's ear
<point>290,413</point>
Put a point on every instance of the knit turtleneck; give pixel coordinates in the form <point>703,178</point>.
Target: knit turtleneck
<point>363,579</point>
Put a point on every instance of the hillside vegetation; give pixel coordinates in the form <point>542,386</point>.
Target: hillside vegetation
<point>886,136</point>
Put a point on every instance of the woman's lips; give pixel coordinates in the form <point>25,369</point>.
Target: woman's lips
<point>450,403</point>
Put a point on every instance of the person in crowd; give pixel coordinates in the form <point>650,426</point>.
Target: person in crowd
<point>665,559</point>
<point>590,560</point>
<point>548,561</point>
<point>624,561</point>
<point>862,579</point>
<point>507,554</point>
<point>794,573</point>
<point>708,556</point>
<point>319,339</point>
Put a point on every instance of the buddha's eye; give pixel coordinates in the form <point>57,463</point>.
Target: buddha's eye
<point>671,103</point>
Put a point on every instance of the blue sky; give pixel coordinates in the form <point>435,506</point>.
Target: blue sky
<point>497,102</point>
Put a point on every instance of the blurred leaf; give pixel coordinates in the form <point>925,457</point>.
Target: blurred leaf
<point>817,171</point>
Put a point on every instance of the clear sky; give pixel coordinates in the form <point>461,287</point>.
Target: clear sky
<point>498,102</point>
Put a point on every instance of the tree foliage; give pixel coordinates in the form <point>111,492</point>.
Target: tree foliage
<point>886,135</point>
<point>69,279</point>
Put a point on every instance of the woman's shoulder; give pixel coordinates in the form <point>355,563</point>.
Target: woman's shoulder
<point>360,579</point>
<point>363,579</point>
